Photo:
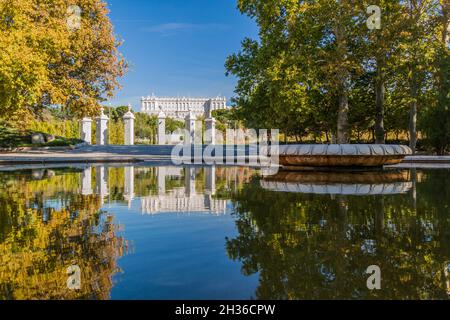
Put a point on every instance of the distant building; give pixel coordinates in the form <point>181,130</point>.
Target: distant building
<point>178,108</point>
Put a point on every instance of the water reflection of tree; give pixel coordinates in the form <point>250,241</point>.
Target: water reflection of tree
<point>319,247</point>
<point>38,242</point>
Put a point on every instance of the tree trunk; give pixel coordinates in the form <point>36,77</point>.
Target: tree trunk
<point>380,93</point>
<point>413,114</point>
<point>342,125</point>
<point>343,80</point>
<point>413,126</point>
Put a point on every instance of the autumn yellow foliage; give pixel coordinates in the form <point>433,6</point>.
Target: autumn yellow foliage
<point>45,60</point>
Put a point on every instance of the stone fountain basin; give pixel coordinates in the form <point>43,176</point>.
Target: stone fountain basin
<point>341,155</point>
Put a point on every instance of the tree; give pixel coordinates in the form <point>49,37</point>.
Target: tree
<point>341,15</point>
<point>306,52</point>
<point>437,115</point>
<point>383,49</point>
<point>172,125</point>
<point>46,60</point>
<point>317,68</point>
<point>417,55</point>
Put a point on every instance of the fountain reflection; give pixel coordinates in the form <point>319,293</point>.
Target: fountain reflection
<point>340,183</point>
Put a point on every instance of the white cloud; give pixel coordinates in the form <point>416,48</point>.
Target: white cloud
<point>176,27</point>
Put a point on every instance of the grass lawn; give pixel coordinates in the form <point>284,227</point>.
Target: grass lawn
<point>13,138</point>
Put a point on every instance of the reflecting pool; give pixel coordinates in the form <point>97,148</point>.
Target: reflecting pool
<point>162,232</point>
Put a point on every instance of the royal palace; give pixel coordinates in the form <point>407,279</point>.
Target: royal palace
<point>179,107</point>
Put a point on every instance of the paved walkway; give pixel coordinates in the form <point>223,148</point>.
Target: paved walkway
<point>99,154</point>
<point>94,154</point>
<point>89,154</point>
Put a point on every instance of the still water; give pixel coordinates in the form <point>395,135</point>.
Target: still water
<point>147,232</point>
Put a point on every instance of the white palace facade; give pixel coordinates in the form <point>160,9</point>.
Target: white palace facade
<point>179,107</point>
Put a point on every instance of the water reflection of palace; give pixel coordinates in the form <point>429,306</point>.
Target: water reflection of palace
<point>183,197</point>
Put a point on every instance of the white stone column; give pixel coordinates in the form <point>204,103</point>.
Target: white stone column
<point>86,182</point>
<point>161,128</point>
<point>86,130</point>
<point>129,185</point>
<point>128,119</point>
<point>102,129</point>
<point>210,136</point>
<point>190,128</point>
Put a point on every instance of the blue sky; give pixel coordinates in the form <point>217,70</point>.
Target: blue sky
<point>177,47</point>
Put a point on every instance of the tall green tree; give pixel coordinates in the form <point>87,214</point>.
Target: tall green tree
<point>437,114</point>
<point>417,55</point>
<point>306,55</point>
<point>317,68</point>
<point>382,53</point>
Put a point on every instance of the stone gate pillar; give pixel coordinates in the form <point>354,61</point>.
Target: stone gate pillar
<point>161,128</point>
<point>210,126</point>
<point>210,136</point>
<point>86,130</point>
<point>190,128</point>
<point>128,119</point>
<point>102,129</point>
